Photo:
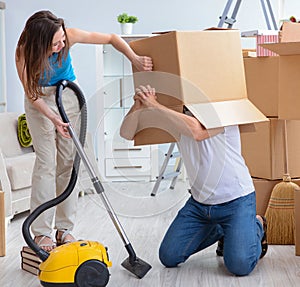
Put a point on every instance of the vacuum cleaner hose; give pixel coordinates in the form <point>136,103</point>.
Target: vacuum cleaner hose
<point>42,254</point>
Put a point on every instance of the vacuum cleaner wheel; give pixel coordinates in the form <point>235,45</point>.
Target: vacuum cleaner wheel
<point>92,273</point>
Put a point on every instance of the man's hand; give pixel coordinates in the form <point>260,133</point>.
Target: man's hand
<point>146,96</point>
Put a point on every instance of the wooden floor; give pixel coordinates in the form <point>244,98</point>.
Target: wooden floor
<point>145,220</point>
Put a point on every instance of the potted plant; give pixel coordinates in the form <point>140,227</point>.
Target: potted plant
<point>126,22</point>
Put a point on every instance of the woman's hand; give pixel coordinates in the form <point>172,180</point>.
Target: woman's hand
<point>61,127</point>
<point>143,63</point>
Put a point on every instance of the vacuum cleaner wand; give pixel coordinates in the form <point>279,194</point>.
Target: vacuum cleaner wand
<point>133,264</point>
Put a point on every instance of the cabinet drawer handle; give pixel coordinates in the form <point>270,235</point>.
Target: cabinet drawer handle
<point>127,166</point>
<point>129,149</point>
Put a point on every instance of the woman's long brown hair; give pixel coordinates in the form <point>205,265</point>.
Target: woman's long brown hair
<point>35,46</point>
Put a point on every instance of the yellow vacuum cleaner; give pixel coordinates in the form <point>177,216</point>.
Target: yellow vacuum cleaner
<point>80,263</point>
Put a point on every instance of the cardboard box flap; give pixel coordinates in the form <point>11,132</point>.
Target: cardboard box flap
<point>283,49</point>
<point>221,114</point>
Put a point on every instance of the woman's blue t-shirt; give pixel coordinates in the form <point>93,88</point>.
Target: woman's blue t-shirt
<point>58,72</point>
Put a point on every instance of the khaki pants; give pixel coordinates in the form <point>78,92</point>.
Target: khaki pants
<point>54,163</point>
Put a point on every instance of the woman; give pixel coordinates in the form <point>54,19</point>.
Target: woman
<point>42,59</point>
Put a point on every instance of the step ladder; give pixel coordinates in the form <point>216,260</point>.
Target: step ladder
<point>267,11</point>
<point>162,173</point>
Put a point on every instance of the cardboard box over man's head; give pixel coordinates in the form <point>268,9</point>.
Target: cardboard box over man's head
<point>202,70</point>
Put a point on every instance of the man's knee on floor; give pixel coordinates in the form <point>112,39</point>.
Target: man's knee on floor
<point>238,267</point>
<point>168,259</point>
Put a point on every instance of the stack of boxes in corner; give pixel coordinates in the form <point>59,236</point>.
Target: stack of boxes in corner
<point>29,260</point>
<point>273,86</point>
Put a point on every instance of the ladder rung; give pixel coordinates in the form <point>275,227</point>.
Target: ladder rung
<point>230,21</point>
<point>175,154</point>
<point>171,174</point>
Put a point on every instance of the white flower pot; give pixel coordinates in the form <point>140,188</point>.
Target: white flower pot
<point>126,28</point>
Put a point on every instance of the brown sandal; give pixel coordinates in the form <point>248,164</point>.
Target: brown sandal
<point>264,242</point>
<point>45,242</point>
<point>64,236</point>
<point>220,247</point>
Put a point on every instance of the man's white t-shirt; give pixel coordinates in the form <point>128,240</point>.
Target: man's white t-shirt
<point>215,167</point>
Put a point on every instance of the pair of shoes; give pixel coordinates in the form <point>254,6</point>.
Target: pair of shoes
<point>64,236</point>
<point>45,242</point>
<point>220,247</point>
<point>264,242</point>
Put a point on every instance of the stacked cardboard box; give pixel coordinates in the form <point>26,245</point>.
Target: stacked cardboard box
<point>272,82</point>
<point>30,261</point>
<point>273,86</point>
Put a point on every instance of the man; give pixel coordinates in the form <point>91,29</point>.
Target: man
<point>222,206</point>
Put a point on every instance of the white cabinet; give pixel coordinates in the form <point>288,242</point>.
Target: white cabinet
<point>128,161</point>
<point>119,159</point>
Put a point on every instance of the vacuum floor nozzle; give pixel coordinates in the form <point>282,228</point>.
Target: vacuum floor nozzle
<point>138,267</point>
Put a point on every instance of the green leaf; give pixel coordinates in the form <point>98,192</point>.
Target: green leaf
<point>125,18</point>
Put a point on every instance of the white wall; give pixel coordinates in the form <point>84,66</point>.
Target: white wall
<point>99,15</point>
<point>2,59</point>
<point>290,8</point>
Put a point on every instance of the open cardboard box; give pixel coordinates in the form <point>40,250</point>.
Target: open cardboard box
<point>202,70</point>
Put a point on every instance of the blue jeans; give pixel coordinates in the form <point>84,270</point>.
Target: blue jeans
<point>198,226</point>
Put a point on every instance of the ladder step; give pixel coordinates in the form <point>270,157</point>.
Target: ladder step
<point>171,174</point>
<point>175,154</point>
